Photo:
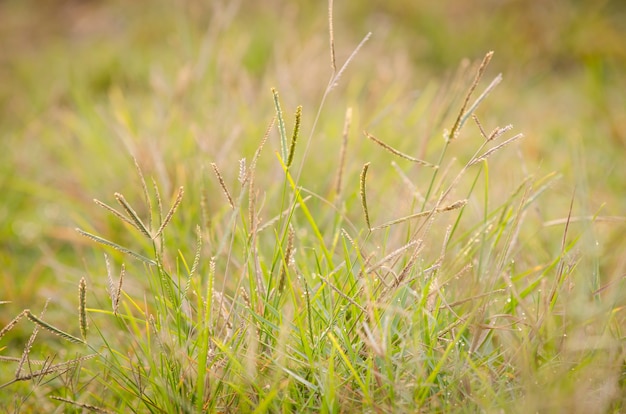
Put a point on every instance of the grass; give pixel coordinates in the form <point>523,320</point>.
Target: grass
<point>342,242</point>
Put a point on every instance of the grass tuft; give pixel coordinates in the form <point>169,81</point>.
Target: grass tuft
<point>490,286</point>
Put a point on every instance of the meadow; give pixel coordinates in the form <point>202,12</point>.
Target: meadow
<point>237,206</point>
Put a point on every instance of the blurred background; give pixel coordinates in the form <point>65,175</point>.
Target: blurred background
<point>177,84</point>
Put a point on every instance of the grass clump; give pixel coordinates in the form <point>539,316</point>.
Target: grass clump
<point>421,283</point>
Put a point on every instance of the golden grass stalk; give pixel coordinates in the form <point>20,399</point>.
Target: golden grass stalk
<point>495,133</point>
<point>481,69</point>
<point>494,149</point>
<point>52,329</point>
<point>138,223</point>
<point>223,185</point>
<point>243,171</point>
<point>331,36</point>
<point>118,291</point>
<point>453,206</point>
<point>294,136</point>
<point>14,359</point>
<point>170,213</point>
<point>115,212</point>
<point>82,306</point>
<point>116,246</point>
<point>480,127</point>
<point>398,153</point>
<point>363,196</point>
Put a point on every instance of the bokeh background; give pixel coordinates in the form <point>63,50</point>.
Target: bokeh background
<point>178,84</point>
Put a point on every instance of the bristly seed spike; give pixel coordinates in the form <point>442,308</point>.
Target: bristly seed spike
<point>363,195</point>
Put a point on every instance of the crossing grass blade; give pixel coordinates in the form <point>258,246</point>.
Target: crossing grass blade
<point>116,247</point>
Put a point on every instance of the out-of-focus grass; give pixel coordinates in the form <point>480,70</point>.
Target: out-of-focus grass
<point>179,84</point>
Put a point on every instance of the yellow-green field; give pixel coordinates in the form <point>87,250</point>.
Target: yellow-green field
<point>394,245</point>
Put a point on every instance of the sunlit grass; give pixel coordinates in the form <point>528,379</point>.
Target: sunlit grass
<point>286,276</point>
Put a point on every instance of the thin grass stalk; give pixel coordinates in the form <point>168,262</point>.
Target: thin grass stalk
<point>220,179</point>
<point>116,213</point>
<point>133,215</point>
<point>286,259</point>
<point>405,270</point>
<point>331,84</point>
<point>460,119</point>
<point>170,213</point>
<point>390,256</point>
<point>52,329</point>
<point>146,195</point>
<point>495,82</point>
<point>335,80</point>
<point>281,125</point>
<point>84,406</point>
<point>116,247</point>
<point>252,219</point>
<point>456,205</point>
<point>480,127</point>
<point>364,196</point>
<point>343,149</point>
<point>561,266</point>
<point>11,324</point>
<point>449,136</point>
<point>494,149</point>
<point>29,344</point>
<point>407,182</point>
<point>196,258</point>
<point>339,292</point>
<point>398,153</point>
<point>50,369</point>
